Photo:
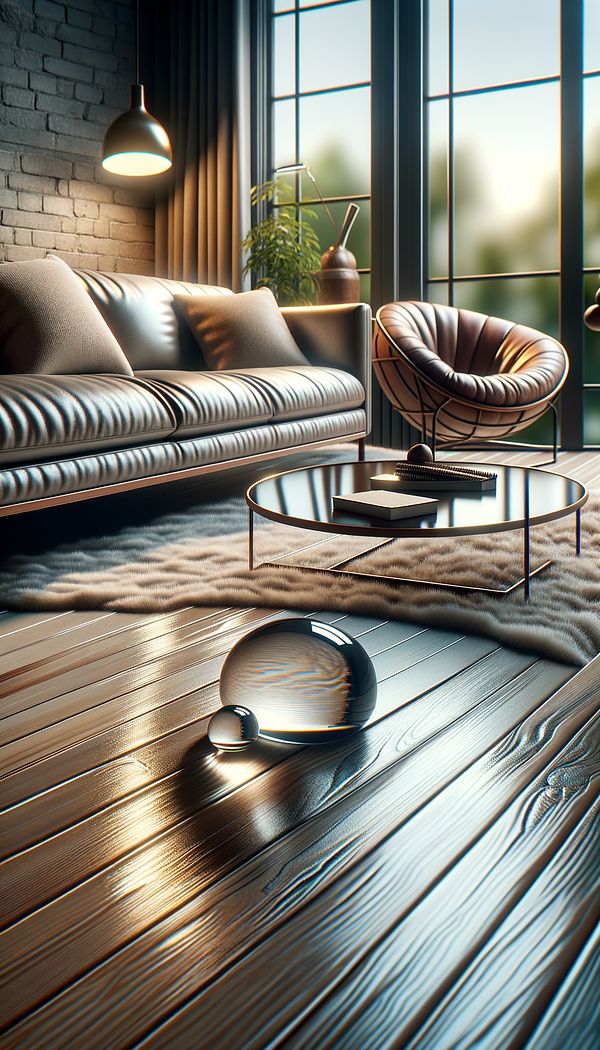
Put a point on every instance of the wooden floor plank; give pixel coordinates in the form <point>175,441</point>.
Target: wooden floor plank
<point>48,678</point>
<point>83,741</point>
<point>86,711</point>
<point>179,726</point>
<point>367,908</point>
<point>415,964</point>
<point>84,688</point>
<point>230,833</point>
<point>500,997</point>
<point>20,630</point>
<point>88,628</point>
<point>61,861</point>
<point>13,622</point>
<point>165,804</point>
<point>67,680</point>
<point>572,1018</point>
<point>372,893</point>
<point>50,809</point>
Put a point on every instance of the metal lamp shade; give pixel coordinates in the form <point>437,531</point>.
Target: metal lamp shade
<point>136,143</point>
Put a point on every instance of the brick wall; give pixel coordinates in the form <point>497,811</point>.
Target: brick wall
<point>65,72</point>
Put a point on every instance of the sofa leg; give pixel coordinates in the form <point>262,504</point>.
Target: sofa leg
<point>361,445</point>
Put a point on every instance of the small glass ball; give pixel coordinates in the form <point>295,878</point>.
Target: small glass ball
<point>419,454</point>
<point>232,728</point>
<point>307,682</point>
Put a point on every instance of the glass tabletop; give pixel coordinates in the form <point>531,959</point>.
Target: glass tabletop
<point>304,498</point>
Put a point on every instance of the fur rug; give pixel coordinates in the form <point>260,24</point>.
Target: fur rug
<point>195,554</point>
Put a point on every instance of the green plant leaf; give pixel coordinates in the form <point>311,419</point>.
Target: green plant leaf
<point>282,252</point>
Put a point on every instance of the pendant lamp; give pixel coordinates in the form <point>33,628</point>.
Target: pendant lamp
<point>136,143</point>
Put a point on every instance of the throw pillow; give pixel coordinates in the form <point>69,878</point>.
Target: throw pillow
<point>246,330</point>
<point>50,326</point>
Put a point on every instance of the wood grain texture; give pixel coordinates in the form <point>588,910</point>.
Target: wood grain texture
<point>334,784</point>
<point>57,807</point>
<point>573,1015</point>
<point>114,725</point>
<point>83,847</point>
<point>431,881</point>
<point>47,946</point>
<point>88,845</point>
<point>368,901</point>
<point>18,630</point>
<point>70,638</point>
<point>35,684</point>
<point>501,995</point>
<point>413,967</point>
<point>85,702</point>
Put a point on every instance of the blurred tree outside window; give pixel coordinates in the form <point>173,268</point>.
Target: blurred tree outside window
<point>321,113</point>
<point>492,163</point>
<point>493,145</point>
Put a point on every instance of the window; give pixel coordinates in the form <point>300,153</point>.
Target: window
<point>509,173</point>
<point>493,169</point>
<point>591,212</point>
<point>321,112</point>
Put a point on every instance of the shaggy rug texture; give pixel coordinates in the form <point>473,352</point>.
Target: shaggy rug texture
<point>194,552</point>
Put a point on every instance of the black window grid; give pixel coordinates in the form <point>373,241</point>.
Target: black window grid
<point>571,253</point>
<point>296,96</point>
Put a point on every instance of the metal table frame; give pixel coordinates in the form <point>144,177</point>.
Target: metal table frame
<point>339,568</point>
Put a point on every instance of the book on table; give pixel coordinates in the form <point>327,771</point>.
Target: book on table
<point>391,506</point>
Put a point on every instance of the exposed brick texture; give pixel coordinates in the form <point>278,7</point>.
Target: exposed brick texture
<point>65,72</point>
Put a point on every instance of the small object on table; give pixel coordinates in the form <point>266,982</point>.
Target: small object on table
<point>419,454</point>
<point>233,728</point>
<point>388,505</point>
<point>434,477</point>
<point>308,682</point>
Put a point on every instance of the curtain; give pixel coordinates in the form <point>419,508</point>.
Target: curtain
<point>202,89</point>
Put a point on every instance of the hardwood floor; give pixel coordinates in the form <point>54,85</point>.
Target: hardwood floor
<point>429,882</point>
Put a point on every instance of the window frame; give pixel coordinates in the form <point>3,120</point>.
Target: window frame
<point>571,271</point>
<point>300,200</point>
<point>398,196</point>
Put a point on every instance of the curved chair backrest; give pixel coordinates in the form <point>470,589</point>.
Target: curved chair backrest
<point>479,376</point>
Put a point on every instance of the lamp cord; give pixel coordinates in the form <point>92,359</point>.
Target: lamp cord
<point>137,41</point>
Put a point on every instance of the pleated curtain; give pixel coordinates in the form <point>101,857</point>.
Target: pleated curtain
<point>202,86</point>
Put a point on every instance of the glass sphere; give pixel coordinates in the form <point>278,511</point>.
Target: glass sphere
<point>232,728</point>
<point>307,682</point>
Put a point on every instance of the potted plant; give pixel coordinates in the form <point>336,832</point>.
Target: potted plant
<point>283,252</point>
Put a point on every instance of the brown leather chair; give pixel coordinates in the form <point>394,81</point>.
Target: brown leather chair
<point>460,376</point>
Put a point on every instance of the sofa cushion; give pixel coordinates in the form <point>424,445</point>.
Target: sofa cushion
<point>241,331</point>
<point>140,311</point>
<point>45,417</point>
<point>296,393</point>
<point>48,324</point>
<point>40,481</point>
<point>207,402</point>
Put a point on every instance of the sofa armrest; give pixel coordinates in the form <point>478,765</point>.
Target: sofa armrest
<point>336,337</point>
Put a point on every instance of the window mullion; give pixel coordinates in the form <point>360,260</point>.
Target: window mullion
<point>572,296</point>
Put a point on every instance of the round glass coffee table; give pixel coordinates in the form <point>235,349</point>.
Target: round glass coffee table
<point>523,497</point>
